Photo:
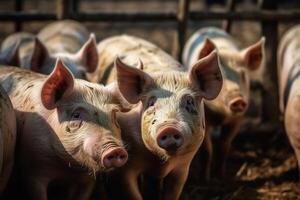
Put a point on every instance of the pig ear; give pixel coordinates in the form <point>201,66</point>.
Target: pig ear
<point>88,54</point>
<point>39,56</point>
<point>58,85</point>
<point>206,76</point>
<point>208,47</point>
<point>253,55</point>
<point>132,81</point>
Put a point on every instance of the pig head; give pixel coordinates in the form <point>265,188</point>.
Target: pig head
<point>172,115</point>
<point>68,129</point>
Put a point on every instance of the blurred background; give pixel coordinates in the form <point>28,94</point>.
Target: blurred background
<point>262,164</point>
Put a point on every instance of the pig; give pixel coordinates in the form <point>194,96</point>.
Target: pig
<point>165,126</point>
<point>228,109</point>
<point>67,130</point>
<point>71,41</point>
<point>72,44</point>
<point>22,45</point>
<point>7,138</point>
<point>10,56</point>
<point>288,60</point>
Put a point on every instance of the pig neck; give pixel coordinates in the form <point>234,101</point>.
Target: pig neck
<point>130,124</point>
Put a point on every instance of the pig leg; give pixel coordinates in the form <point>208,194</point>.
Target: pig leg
<point>174,182</point>
<point>292,125</point>
<point>130,185</point>
<point>37,188</point>
<point>229,131</point>
<point>150,187</point>
<point>206,153</point>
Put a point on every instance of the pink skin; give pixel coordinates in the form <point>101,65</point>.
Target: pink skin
<point>65,135</point>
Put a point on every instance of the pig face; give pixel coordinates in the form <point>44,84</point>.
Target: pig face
<point>234,96</point>
<point>84,61</point>
<point>172,119</point>
<point>83,116</point>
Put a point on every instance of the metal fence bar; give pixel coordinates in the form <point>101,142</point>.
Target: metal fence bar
<point>63,9</point>
<point>182,20</point>
<point>264,15</point>
<point>75,6</point>
<point>18,8</point>
<point>26,16</point>
<point>230,6</point>
<point>270,100</point>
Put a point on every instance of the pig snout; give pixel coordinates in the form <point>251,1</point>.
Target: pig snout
<point>114,158</point>
<point>238,105</point>
<point>170,139</point>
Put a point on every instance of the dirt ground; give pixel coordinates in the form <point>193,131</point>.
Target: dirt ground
<point>261,164</point>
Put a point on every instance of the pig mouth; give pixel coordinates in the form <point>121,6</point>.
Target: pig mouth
<point>170,139</point>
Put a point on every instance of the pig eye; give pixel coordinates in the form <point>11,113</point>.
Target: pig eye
<point>151,101</point>
<point>189,104</point>
<point>76,116</point>
<point>75,122</point>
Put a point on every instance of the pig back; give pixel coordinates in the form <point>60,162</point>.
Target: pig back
<point>64,36</point>
<point>131,48</point>
<point>7,138</point>
<point>288,59</point>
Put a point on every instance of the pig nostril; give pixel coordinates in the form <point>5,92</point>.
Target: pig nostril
<point>110,157</point>
<point>176,136</point>
<point>164,137</point>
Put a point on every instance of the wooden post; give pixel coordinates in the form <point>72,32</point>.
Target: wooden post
<point>63,9</point>
<point>270,101</point>
<point>182,20</point>
<point>230,6</point>
<point>18,8</point>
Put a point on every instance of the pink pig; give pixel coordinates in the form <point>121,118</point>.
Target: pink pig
<point>67,130</point>
<point>228,109</point>
<point>165,130</point>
